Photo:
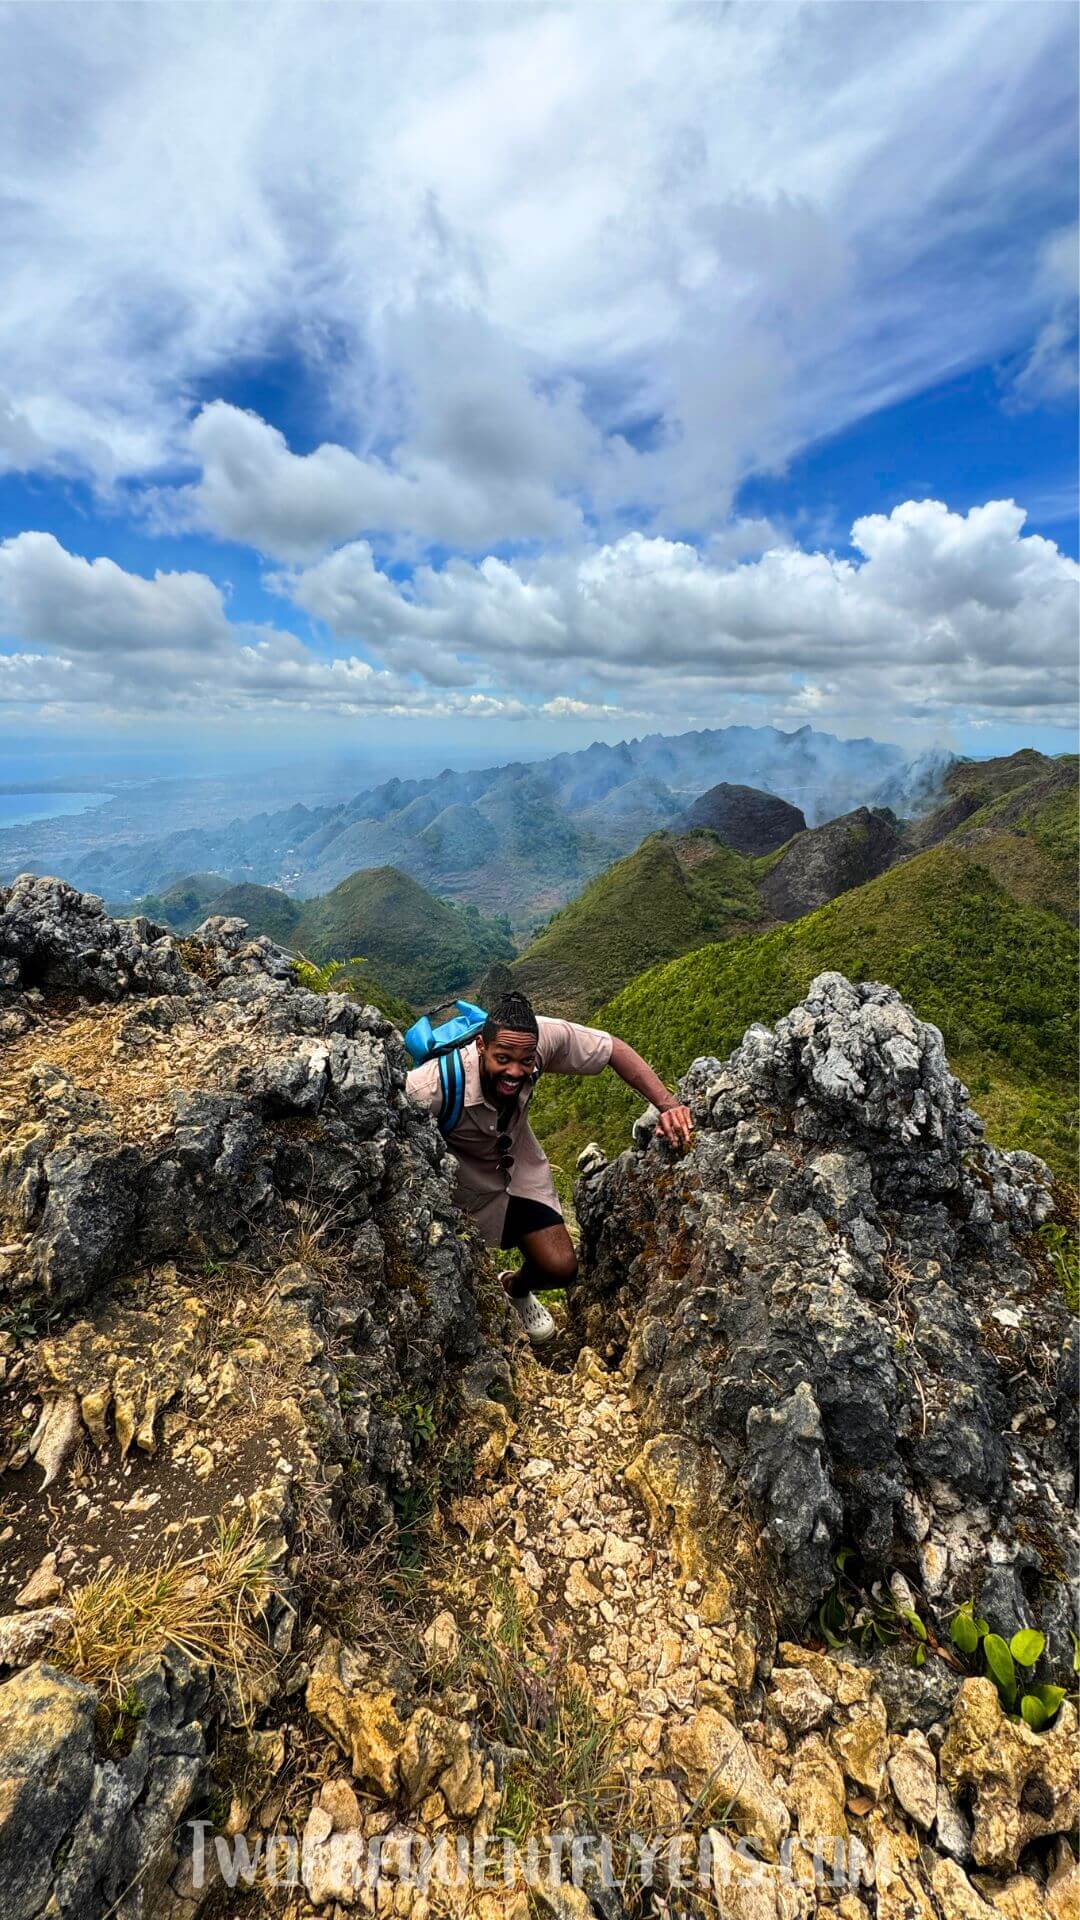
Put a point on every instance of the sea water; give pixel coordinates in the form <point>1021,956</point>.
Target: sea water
<point>19,809</point>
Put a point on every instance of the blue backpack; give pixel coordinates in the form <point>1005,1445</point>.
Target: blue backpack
<point>444,1043</point>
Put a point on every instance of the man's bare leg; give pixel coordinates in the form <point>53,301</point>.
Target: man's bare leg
<point>550,1260</point>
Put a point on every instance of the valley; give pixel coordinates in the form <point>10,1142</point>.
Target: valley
<point>409,945</point>
<point>969,907</point>
<point>520,838</point>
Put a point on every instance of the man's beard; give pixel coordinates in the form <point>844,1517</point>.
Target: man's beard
<point>490,1091</point>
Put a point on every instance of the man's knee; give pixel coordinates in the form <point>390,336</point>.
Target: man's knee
<point>555,1258</point>
<point>564,1265</point>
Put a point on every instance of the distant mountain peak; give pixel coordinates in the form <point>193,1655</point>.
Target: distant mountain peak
<point>747,819</point>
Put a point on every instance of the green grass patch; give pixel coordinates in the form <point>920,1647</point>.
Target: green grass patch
<point>997,977</point>
<point>668,896</point>
<point>1028,837</point>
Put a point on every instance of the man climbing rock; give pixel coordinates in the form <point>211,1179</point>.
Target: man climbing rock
<point>504,1180</point>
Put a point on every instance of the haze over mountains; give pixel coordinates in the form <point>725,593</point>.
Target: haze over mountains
<point>959,886</point>
<point>1015,818</point>
<point>973,919</point>
<point>520,838</point>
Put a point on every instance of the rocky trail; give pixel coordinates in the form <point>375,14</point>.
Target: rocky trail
<point>319,1590</point>
<point>590,1571</point>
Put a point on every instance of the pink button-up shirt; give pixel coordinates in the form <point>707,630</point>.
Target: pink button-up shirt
<point>483,1190</point>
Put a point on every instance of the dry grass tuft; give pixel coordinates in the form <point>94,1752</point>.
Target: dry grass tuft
<point>355,1592</point>
<point>568,1766</point>
<point>211,1607</point>
<point>316,1237</point>
<point>198,959</point>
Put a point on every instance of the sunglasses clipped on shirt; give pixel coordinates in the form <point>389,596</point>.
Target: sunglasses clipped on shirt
<point>504,1159</point>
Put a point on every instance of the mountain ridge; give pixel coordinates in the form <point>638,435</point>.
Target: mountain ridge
<point>521,837</point>
<point>417,947</point>
<point>643,910</point>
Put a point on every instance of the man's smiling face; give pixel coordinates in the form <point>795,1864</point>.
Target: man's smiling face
<point>506,1064</point>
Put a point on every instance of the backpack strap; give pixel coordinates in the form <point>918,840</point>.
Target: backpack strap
<point>452,1082</point>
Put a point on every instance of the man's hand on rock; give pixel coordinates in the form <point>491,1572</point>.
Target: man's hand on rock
<point>673,1119</point>
<point>676,1126</point>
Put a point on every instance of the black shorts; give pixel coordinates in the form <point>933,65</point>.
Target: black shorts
<point>526,1216</point>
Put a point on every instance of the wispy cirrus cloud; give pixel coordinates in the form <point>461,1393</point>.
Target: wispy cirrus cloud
<point>539,257</point>
<point>1050,370</point>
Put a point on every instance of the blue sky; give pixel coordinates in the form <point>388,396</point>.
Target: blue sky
<point>473,381</point>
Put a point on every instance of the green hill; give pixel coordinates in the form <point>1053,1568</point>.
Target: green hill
<point>1016,817</point>
<point>671,894</point>
<point>266,910</point>
<point>417,945</point>
<point>182,905</point>
<point>996,976</point>
<point>1025,831</point>
<point>193,898</point>
<point>970,785</point>
<point>678,890</point>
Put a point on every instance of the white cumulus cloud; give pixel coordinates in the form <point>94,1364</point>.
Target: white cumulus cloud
<point>294,506</point>
<point>936,616</point>
<point>938,611</point>
<point>90,635</point>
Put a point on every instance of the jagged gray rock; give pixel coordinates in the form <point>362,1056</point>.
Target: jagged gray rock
<point>259,1305</point>
<point>827,860</point>
<point>198,1117</point>
<point>84,1833</point>
<point>809,1293</point>
<point>59,938</point>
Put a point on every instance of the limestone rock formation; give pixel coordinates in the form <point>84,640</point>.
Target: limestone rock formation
<point>1024,1784</point>
<point>829,1296</point>
<point>712,1756</point>
<point>246,1340</point>
<point>242,1317</point>
<point>827,860</point>
<point>399,1753</point>
<point>87,1831</point>
<point>53,938</point>
<point>746,819</point>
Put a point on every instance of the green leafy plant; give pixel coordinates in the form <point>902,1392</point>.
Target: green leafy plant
<point>414,1508</point>
<point>28,1320</point>
<point>1036,1703</point>
<point>870,1616</point>
<point>116,1723</point>
<point>422,1420</point>
<point>1061,1246</point>
<point>457,1469</point>
<point>323,979</point>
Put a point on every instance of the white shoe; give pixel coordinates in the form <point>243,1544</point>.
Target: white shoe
<point>535,1318</point>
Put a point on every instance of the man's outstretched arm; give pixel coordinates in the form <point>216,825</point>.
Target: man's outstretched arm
<point>675,1123</point>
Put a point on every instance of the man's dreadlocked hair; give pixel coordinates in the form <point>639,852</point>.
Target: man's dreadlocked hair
<point>512,1014</point>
